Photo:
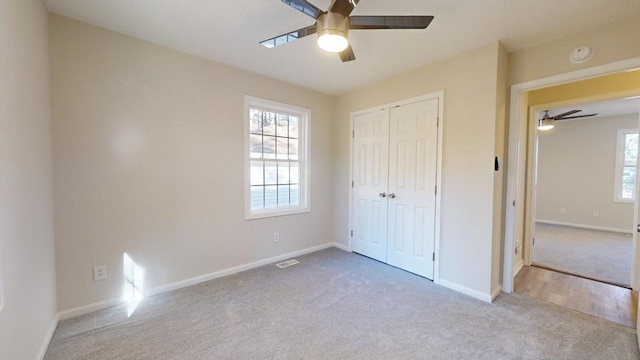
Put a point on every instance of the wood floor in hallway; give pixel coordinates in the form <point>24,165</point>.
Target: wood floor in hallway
<point>595,298</point>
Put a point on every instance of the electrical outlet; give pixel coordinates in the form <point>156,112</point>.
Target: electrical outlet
<point>276,237</point>
<point>563,211</point>
<point>99,272</point>
<point>596,214</point>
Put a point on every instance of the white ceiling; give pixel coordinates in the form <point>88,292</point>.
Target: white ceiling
<point>229,32</point>
<point>607,108</point>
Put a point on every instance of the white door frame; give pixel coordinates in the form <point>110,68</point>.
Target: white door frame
<point>435,95</point>
<point>518,142</point>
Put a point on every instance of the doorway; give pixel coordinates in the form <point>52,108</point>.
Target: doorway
<point>614,80</point>
<point>584,189</point>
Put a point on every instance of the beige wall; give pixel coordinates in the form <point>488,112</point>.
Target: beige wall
<point>26,218</point>
<point>576,164</point>
<point>469,82</point>
<point>148,159</point>
<point>611,43</point>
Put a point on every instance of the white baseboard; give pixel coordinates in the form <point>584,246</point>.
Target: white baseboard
<point>85,309</point>
<point>81,310</point>
<point>341,246</point>
<point>583,226</point>
<point>496,292</point>
<point>519,265</point>
<point>234,270</point>
<point>465,290</point>
<point>48,337</point>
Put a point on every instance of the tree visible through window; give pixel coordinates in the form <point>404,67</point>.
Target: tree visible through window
<point>626,165</point>
<point>277,160</point>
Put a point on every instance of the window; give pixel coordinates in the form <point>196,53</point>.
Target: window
<point>277,159</point>
<point>626,162</point>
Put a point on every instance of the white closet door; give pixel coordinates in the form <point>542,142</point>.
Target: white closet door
<point>370,176</point>
<point>413,136</point>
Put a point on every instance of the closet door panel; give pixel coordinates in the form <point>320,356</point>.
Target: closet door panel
<point>413,148</point>
<point>370,176</point>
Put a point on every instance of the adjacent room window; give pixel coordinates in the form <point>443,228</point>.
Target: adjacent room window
<point>277,159</point>
<point>626,165</point>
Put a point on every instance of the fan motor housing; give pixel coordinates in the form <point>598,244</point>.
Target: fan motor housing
<point>333,24</point>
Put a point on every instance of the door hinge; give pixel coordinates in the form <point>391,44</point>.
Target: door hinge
<point>351,233</point>
<point>436,190</point>
<point>353,134</point>
<point>352,183</point>
<point>433,257</point>
<point>437,121</point>
<point>534,241</point>
<point>514,203</point>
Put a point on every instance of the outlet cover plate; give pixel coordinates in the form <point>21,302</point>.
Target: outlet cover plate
<point>99,272</point>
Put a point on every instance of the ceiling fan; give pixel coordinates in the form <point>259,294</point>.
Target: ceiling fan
<point>333,26</point>
<point>547,121</point>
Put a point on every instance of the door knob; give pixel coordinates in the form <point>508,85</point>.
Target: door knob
<point>392,196</point>
<point>383,194</point>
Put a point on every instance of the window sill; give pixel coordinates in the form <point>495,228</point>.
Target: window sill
<point>623,201</point>
<point>255,215</point>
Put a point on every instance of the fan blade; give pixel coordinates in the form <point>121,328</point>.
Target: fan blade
<point>389,22</point>
<point>343,7</point>
<point>289,37</point>
<point>304,7</point>
<point>577,117</point>
<point>347,54</point>
<point>559,116</point>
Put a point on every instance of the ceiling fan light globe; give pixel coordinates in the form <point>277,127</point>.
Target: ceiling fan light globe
<point>545,124</point>
<point>332,41</point>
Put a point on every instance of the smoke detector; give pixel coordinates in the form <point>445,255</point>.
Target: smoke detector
<point>581,54</point>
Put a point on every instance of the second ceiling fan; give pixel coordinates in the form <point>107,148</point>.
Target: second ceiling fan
<point>547,121</point>
<point>333,26</point>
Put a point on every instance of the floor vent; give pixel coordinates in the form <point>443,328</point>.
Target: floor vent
<point>287,263</point>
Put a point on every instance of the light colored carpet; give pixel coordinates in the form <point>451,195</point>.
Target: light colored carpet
<point>600,255</point>
<point>337,305</point>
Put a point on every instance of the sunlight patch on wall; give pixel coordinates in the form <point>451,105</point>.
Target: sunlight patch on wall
<point>133,285</point>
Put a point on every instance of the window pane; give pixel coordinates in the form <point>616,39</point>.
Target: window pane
<point>283,125</point>
<point>294,173</point>
<point>255,146</point>
<point>282,145</point>
<point>628,182</point>
<point>255,123</point>
<point>269,123</point>
<point>270,173</point>
<point>283,195</point>
<point>276,169</point>
<point>294,195</point>
<point>269,147</point>
<point>630,149</point>
<point>270,197</point>
<point>293,127</point>
<point>257,173</point>
<point>293,149</point>
<point>257,197</point>
<point>283,173</point>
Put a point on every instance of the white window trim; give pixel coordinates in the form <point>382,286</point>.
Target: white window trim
<point>305,124</point>
<point>617,185</point>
